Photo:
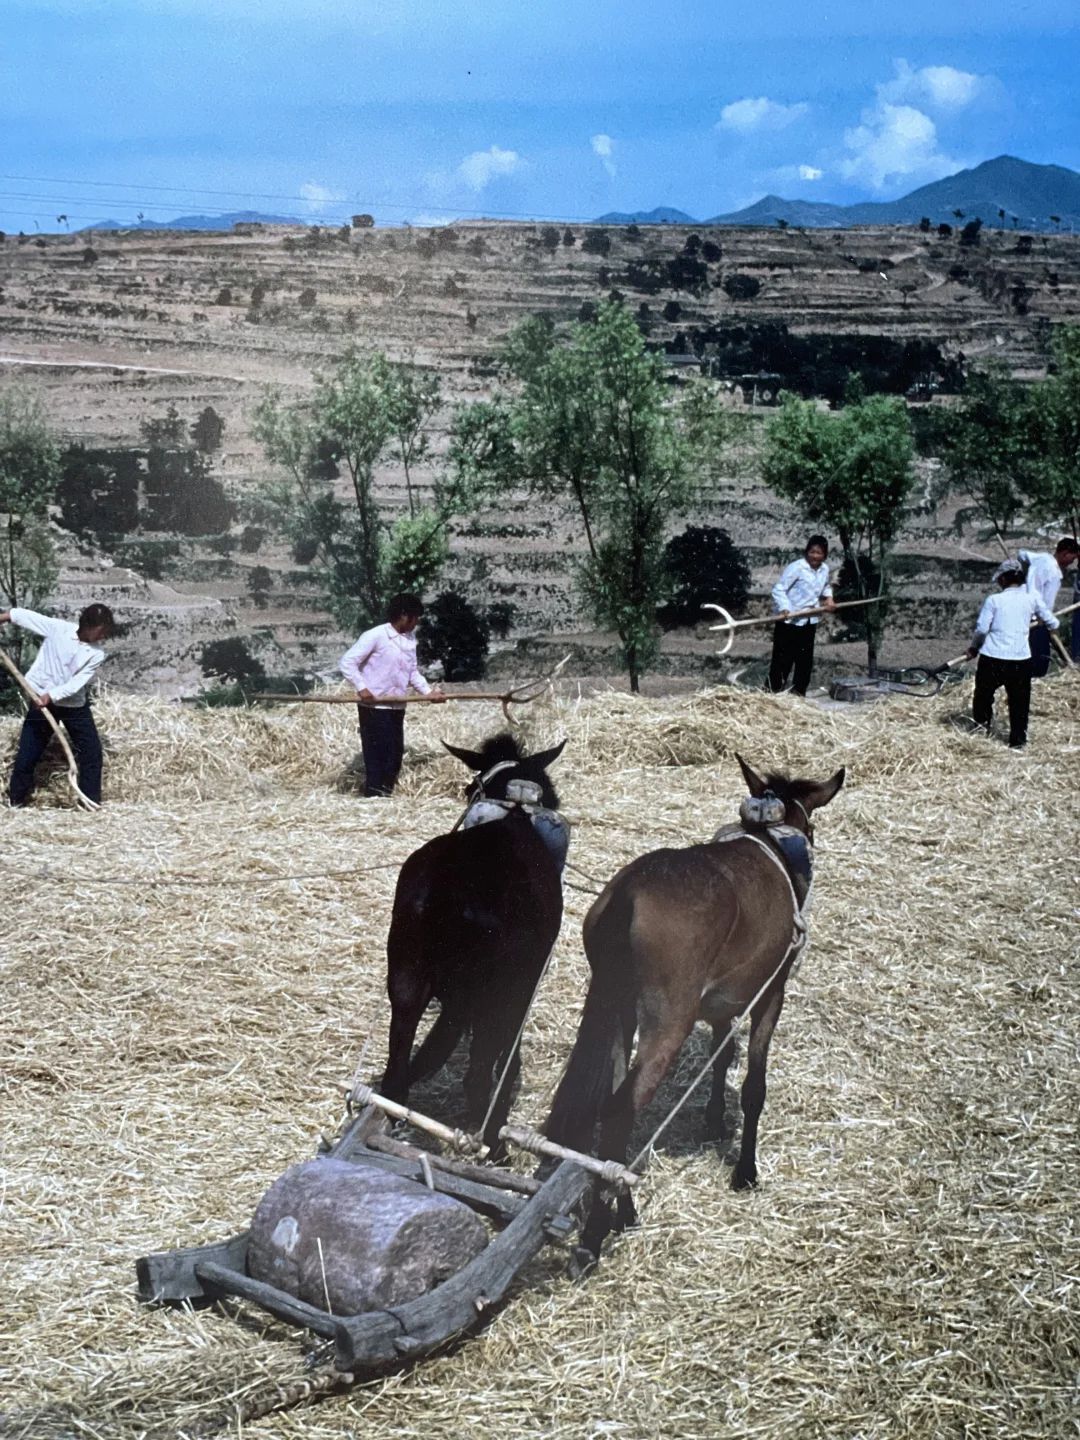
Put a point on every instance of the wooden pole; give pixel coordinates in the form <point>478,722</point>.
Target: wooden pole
<point>609,1171</point>
<point>354,699</point>
<point>728,626</point>
<point>35,699</point>
<point>364,1095</point>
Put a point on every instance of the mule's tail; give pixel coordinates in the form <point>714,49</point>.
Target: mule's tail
<point>608,1016</point>
<point>586,1085</point>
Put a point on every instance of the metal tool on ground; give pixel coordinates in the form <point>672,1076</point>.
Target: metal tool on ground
<point>729,625</point>
<point>34,697</point>
<point>523,694</point>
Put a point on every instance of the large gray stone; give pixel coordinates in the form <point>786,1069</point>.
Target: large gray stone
<point>384,1239</point>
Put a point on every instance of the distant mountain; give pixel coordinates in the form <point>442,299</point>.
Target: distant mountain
<point>662,215</point>
<point>199,222</point>
<point>1031,193</point>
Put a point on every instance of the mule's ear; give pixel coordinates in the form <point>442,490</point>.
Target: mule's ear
<point>545,757</point>
<point>754,783</point>
<point>826,791</point>
<point>472,758</point>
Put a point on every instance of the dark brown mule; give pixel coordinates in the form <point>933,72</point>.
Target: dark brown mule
<point>678,936</point>
<point>476,914</point>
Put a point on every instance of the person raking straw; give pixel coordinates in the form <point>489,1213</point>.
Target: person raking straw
<point>382,667</point>
<point>1001,642</point>
<point>61,674</point>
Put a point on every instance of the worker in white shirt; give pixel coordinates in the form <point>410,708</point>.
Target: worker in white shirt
<point>382,667</point>
<point>1045,572</point>
<point>1001,643</point>
<point>804,585</point>
<point>61,674</point>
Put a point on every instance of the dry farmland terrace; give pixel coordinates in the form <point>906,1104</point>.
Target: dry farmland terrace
<point>115,327</point>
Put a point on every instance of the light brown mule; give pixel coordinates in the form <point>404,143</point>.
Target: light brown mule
<point>678,936</point>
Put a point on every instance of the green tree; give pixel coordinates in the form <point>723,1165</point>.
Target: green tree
<point>851,473</point>
<point>414,396</point>
<point>986,445</point>
<point>29,479</point>
<point>356,411</point>
<point>590,424</point>
<point>1055,410</point>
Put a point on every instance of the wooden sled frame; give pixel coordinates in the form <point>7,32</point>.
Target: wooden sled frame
<point>369,1343</point>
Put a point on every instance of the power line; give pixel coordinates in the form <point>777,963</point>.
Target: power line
<point>293,199</point>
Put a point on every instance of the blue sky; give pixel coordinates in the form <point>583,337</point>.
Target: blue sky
<point>427,109</point>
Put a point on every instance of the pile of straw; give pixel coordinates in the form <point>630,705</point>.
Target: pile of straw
<point>177,1016</point>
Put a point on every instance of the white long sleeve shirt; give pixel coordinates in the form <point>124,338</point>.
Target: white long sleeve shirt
<point>383,662</point>
<point>1001,632</point>
<point>1044,575</point>
<point>801,587</point>
<point>65,665</point>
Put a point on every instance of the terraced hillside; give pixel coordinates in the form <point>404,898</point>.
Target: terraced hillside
<point>117,327</point>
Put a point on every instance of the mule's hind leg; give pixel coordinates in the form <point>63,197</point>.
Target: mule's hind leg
<point>715,1123</point>
<point>659,1042</point>
<point>437,1045</point>
<point>763,1022</point>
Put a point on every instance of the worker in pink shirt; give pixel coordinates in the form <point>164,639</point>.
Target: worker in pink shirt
<point>382,667</point>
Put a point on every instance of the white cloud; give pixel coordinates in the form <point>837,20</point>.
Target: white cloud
<point>602,145</point>
<point>938,86</point>
<point>318,196</point>
<point>483,166</point>
<point>747,116</point>
<point>810,172</point>
<point>895,142</point>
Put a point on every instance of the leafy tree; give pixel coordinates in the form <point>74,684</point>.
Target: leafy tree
<point>259,583</point>
<point>1055,412</point>
<point>851,473</point>
<point>455,633</point>
<point>413,396</point>
<point>704,565</point>
<point>360,406</point>
<point>29,478</point>
<point>591,425</point>
<point>986,446</point>
<point>208,430</point>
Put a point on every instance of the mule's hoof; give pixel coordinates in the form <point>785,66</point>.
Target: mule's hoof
<point>743,1181</point>
<point>581,1263</point>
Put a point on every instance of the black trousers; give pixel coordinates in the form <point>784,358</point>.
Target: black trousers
<point>382,739</point>
<point>792,649</point>
<point>1039,640</point>
<point>78,721</point>
<point>1015,675</point>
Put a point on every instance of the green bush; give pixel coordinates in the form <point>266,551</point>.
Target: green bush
<point>704,565</point>
<point>456,634</point>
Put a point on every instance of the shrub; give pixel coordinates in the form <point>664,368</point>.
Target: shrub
<point>307,299</point>
<point>742,287</point>
<point>703,565</point>
<point>231,660</point>
<point>501,614</point>
<point>251,538</point>
<point>596,242</point>
<point>456,634</point>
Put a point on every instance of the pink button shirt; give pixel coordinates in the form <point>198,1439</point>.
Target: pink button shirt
<point>383,662</point>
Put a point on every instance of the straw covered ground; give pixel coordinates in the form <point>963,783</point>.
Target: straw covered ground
<point>177,1017</point>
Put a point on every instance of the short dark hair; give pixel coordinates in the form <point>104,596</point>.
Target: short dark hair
<point>95,615</point>
<point>816,540</point>
<point>1069,543</point>
<point>402,605</point>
